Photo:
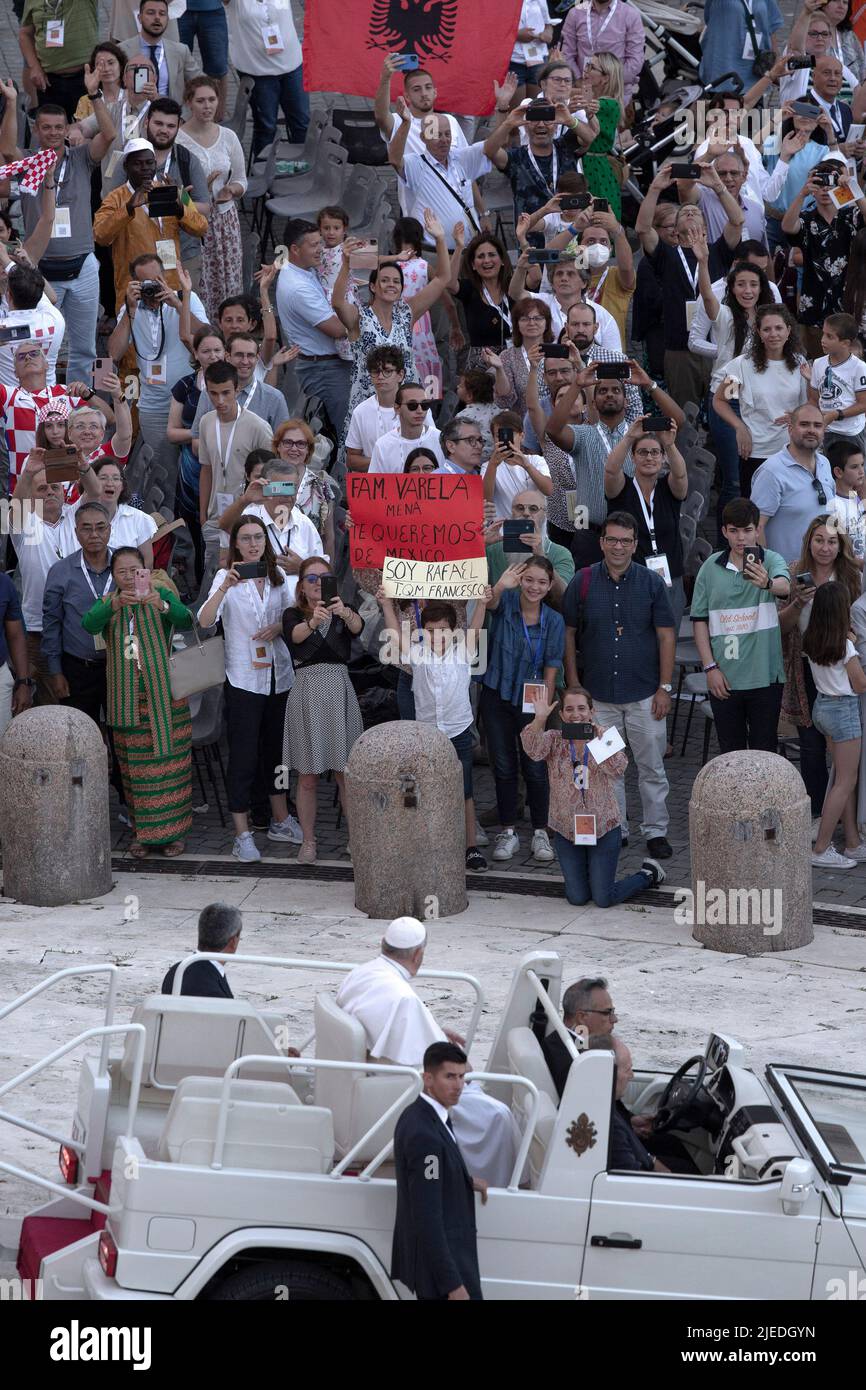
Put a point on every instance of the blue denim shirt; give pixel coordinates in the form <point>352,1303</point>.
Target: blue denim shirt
<point>511,659</point>
<point>619,644</point>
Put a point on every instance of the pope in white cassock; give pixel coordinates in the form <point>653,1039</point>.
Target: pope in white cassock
<point>400,1028</point>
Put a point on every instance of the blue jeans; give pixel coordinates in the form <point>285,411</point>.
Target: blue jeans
<point>78,302</point>
<point>502,725</point>
<point>211,29</point>
<point>728,457</point>
<point>284,90</point>
<point>331,381</point>
<point>590,871</point>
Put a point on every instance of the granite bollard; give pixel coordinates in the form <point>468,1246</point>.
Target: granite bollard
<point>749,822</point>
<point>54,824</point>
<point>404,803</point>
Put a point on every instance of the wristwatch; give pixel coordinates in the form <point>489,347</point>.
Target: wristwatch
<point>90,394</point>
<point>24,680</point>
<point>666,687</point>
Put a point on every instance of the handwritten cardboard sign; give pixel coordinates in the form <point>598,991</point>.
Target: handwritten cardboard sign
<point>415,516</point>
<point>440,579</point>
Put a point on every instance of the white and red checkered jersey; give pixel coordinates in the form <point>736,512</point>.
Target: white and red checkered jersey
<point>18,410</point>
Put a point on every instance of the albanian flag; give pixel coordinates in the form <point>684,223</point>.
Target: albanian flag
<point>462,44</point>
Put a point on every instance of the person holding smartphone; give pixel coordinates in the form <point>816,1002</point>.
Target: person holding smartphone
<point>323,718</point>
<point>274,500</point>
<point>509,470</point>
<point>259,677</point>
<point>152,732</point>
<point>582,787</point>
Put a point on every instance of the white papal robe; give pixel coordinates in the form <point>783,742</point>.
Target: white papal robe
<point>399,1029</point>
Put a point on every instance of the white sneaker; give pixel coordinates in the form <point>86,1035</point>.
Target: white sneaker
<point>288,831</point>
<point>507,845</point>
<point>244,848</point>
<point>816,826</point>
<point>542,851</point>
<point>858,853</point>
<point>832,859</point>
<point>481,836</point>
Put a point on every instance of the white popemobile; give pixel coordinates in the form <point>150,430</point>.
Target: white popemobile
<point>206,1163</point>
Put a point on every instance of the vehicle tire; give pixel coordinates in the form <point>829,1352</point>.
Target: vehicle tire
<point>304,1283</point>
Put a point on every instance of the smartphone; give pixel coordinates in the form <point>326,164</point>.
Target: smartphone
<point>505,436</point>
<point>61,465</point>
<point>330,588</point>
<point>554,350</point>
<point>102,367</point>
<point>794,63</point>
<point>855,132</point>
<point>539,255</point>
<point>142,583</point>
<point>806,109</point>
<point>600,205</point>
<point>15,333</point>
<point>366,257</point>
<point>252,569</point>
<point>279,489</point>
<point>583,731</point>
<point>540,111</point>
<point>805,580</point>
<point>162,201</point>
<point>511,533</point>
<point>612,371</point>
<point>657,424</point>
<point>13,246</point>
<point>754,555</point>
<point>140,78</point>
<point>686,171</point>
<point>575,202</point>
<point>409,62</point>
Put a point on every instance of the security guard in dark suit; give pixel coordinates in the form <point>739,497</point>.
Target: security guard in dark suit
<point>435,1250</point>
<point>219,930</point>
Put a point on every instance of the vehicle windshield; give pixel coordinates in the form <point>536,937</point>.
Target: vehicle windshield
<point>838,1111</point>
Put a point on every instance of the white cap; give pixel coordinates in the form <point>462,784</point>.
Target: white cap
<point>405,932</point>
<point>134,146</point>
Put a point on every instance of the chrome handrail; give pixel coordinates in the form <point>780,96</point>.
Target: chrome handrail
<point>70,971</point>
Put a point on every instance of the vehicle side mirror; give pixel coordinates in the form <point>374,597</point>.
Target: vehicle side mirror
<point>798,1181</point>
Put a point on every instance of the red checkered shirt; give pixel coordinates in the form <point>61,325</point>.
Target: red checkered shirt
<point>18,408</point>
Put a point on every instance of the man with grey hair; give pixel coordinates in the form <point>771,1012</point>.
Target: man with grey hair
<point>587,1012</point>
<point>626,1149</point>
<point>219,929</point>
<point>400,1028</point>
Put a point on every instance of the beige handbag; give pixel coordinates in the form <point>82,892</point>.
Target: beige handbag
<point>198,667</point>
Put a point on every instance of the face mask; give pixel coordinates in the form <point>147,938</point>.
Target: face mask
<point>596,256</point>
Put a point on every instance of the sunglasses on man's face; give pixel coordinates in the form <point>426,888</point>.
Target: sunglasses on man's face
<point>415,405</point>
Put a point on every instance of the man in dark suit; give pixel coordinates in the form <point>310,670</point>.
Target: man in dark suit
<point>587,1011</point>
<point>435,1252</point>
<point>626,1149</point>
<point>219,929</point>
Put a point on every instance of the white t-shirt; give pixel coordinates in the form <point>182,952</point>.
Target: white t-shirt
<point>370,421</point>
<point>533,15</point>
<point>47,326</point>
<point>837,385</point>
<point>510,480</point>
<point>300,536</point>
<point>851,515</point>
<point>392,450</point>
<point>38,547</point>
<point>764,398</point>
<point>833,680</point>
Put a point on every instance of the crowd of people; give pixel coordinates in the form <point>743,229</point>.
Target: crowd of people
<point>558,362</point>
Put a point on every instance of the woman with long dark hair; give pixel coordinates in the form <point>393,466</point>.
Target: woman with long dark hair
<point>732,327</point>
<point>839,680</point>
<point>152,732</point>
<point>388,319</point>
<point>767,383</point>
<point>515,364</point>
<point>481,286</point>
<point>259,677</point>
<point>323,718</point>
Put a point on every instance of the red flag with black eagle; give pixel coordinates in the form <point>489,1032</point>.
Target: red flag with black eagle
<point>463,44</point>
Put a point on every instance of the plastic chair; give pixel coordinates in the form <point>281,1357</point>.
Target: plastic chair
<point>361,136</point>
<point>207,727</point>
<point>701,550</point>
<point>693,506</point>
<point>696,685</point>
<point>238,119</point>
<point>686,658</point>
<point>332,178</point>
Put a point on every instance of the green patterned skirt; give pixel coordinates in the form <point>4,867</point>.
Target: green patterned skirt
<point>158,790</point>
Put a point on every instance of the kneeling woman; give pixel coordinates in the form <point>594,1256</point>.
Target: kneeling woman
<point>579,786</point>
<point>323,718</point>
<point>152,732</point>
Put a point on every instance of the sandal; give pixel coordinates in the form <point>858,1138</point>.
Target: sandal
<point>138,850</point>
<point>173,849</point>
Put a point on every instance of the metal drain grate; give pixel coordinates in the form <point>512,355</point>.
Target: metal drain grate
<point>512,886</point>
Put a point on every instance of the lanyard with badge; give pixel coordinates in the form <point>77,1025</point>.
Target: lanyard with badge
<point>549,188</point>
<point>692,277</point>
<point>596,293</point>
<point>98,640</point>
<point>62,218</point>
<point>593,43</point>
<point>584,822</point>
<point>225,499</point>
<point>271,34</point>
<point>166,247</point>
<point>655,561</point>
<point>154,366</point>
<point>534,51</point>
<point>533,689</point>
<point>261,650</point>
<point>503,309</point>
<point>54,25</point>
